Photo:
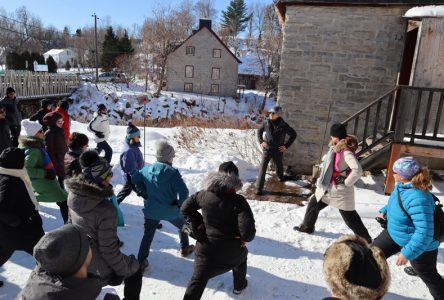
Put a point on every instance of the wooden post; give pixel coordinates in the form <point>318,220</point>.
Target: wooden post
<point>395,153</point>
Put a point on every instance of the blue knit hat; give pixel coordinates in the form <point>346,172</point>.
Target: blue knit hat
<point>406,167</point>
<point>131,132</point>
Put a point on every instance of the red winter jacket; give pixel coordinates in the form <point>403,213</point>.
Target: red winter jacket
<point>67,123</point>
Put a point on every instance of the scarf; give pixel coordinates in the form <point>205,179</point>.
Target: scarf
<point>23,175</point>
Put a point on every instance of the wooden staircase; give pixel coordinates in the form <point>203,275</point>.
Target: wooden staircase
<point>405,120</point>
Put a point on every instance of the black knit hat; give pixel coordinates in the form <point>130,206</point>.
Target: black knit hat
<point>12,158</point>
<point>229,167</point>
<point>338,130</point>
<point>44,103</point>
<point>63,251</point>
<point>64,104</point>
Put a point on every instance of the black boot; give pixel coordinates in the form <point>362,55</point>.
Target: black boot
<point>303,228</point>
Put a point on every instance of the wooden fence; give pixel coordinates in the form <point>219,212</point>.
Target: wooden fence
<point>30,85</point>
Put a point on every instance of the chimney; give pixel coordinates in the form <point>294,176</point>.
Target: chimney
<point>204,23</point>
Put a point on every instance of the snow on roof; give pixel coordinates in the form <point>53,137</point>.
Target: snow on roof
<point>54,51</point>
<point>425,11</point>
<point>250,65</point>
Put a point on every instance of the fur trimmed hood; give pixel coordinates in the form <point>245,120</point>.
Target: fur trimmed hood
<point>80,186</point>
<point>337,259</point>
<point>218,182</point>
<point>342,145</point>
<point>31,142</point>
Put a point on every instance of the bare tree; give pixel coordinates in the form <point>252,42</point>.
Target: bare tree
<point>130,65</point>
<point>258,18</point>
<point>205,9</point>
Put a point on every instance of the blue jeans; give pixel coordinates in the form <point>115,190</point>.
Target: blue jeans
<point>148,235</point>
<point>107,148</point>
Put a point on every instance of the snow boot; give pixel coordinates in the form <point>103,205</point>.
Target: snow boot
<point>303,228</point>
<point>410,271</point>
<point>239,291</point>
<point>187,251</point>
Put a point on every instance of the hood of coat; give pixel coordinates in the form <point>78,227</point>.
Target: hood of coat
<point>85,196</point>
<point>218,182</point>
<point>51,119</point>
<point>31,142</point>
<point>340,146</point>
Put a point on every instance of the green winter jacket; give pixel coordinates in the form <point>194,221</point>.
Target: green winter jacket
<point>45,190</point>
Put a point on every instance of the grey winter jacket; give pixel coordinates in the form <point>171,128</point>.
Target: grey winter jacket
<point>91,209</point>
<point>44,286</point>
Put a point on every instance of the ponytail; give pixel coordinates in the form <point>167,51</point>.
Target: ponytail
<point>351,142</point>
<point>422,180</point>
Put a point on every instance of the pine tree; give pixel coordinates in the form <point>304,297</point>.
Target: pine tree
<point>67,66</point>
<point>110,50</point>
<point>235,18</point>
<point>125,46</point>
<point>52,65</point>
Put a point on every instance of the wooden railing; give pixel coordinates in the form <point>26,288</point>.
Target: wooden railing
<point>38,85</point>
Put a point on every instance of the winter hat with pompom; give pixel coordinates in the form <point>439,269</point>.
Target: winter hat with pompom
<point>406,167</point>
<point>95,168</point>
<point>164,151</point>
<point>31,127</point>
<point>131,132</point>
<point>229,167</point>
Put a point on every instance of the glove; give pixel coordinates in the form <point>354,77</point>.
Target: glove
<point>142,194</point>
<point>340,180</point>
<point>197,234</point>
<point>100,135</point>
<point>50,174</point>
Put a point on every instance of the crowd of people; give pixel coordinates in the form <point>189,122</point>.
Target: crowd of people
<point>49,163</point>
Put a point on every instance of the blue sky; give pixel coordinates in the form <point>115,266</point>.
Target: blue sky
<point>78,13</point>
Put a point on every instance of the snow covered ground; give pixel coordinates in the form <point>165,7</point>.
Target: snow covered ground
<point>282,264</point>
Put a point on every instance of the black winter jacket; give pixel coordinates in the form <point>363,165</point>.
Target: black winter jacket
<point>275,133</point>
<point>38,116</point>
<point>13,113</point>
<point>5,135</point>
<point>72,163</point>
<point>20,223</point>
<point>227,218</point>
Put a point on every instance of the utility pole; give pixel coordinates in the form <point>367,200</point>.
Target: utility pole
<point>96,57</point>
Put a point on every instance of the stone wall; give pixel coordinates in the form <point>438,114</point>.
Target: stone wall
<point>203,61</point>
<point>344,55</point>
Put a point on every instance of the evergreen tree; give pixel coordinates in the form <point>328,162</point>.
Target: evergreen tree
<point>67,66</point>
<point>235,18</point>
<point>125,46</point>
<point>52,65</point>
<point>13,60</point>
<point>110,50</point>
<point>26,62</point>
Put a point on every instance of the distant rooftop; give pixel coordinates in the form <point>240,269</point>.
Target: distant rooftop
<point>54,51</point>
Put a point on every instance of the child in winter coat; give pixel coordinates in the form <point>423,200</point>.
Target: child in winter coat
<point>20,222</point>
<point>63,110</point>
<point>63,256</point>
<point>5,133</point>
<point>353,270</point>
<point>39,166</point>
<point>223,228</point>
<point>77,144</point>
<point>162,184</point>
<point>411,231</point>
<point>131,160</point>
<point>91,209</point>
<point>99,125</point>
<point>340,171</point>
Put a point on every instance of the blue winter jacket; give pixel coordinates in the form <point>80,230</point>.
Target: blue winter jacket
<point>162,184</point>
<point>417,237</point>
<point>132,159</point>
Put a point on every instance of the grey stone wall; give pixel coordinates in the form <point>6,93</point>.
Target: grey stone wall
<point>203,61</point>
<point>344,55</point>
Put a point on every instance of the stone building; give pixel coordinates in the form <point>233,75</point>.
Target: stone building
<point>203,64</point>
<point>338,55</point>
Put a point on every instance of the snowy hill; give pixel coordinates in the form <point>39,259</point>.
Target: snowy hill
<point>282,264</point>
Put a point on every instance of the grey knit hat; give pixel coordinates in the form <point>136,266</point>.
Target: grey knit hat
<point>164,151</point>
<point>62,251</point>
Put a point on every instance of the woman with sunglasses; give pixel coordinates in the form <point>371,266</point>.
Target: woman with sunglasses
<point>410,224</point>
<point>5,133</point>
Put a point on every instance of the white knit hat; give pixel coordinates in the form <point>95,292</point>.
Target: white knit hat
<point>31,127</point>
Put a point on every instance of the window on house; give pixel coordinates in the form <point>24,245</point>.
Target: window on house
<point>216,53</point>
<point>188,87</point>
<point>190,50</point>
<point>189,71</point>
<point>215,73</point>
<point>215,89</point>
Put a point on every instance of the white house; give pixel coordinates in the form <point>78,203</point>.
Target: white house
<point>61,56</point>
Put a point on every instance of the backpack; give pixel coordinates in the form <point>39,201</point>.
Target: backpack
<point>438,218</point>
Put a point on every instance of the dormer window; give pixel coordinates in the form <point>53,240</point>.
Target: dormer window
<point>190,50</point>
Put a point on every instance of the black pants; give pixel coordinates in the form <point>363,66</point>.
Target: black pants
<point>22,241</point>
<point>351,218</point>
<point>126,190</point>
<point>267,155</point>
<point>107,148</point>
<point>15,133</point>
<point>424,265</point>
<point>133,286</point>
<point>202,274</point>
<point>63,205</point>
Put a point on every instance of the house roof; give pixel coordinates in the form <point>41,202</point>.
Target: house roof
<point>215,35</point>
<point>281,5</point>
<point>54,51</point>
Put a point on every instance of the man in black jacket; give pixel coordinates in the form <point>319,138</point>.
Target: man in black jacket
<point>273,145</point>
<point>13,114</point>
<point>45,105</point>
<point>5,133</point>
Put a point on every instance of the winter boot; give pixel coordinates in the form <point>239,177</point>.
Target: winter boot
<point>303,228</point>
<point>187,251</point>
<point>410,271</point>
<point>239,291</point>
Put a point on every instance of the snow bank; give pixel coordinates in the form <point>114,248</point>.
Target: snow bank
<point>425,11</point>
